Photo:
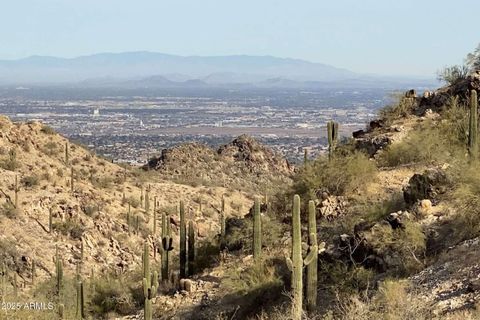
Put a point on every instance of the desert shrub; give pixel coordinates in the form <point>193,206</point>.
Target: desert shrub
<point>337,176</point>
<point>69,227</point>
<point>251,277</point>
<point>29,181</point>
<point>400,108</point>
<point>8,210</point>
<point>103,182</point>
<point>113,295</point>
<point>394,301</point>
<point>90,209</point>
<point>346,279</point>
<point>207,254</point>
<point>50,148</point>
<point>47,129</point>
<point>453,74</point>
<point>465,198</point>
<point>433,141</point>
<point>404,247</point>
<point>239,233</point>
<point>133,201</point>
<point>11,162</point>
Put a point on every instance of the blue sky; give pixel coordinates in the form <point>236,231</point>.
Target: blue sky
<point>389,37</point>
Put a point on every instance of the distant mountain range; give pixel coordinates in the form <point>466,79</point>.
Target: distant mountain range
<point>148,69</point>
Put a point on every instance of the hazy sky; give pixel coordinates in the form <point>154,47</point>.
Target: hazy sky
<point>409,37</point>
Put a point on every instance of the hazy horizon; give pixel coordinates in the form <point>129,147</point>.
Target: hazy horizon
<point>372,37</point>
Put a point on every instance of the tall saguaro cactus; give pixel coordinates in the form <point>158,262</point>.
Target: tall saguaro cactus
<point>296,262</point>
<point>332,135</point>
<point>150,283</point>
<point>257,230</point>
<point>191,248</point>
<point>473,126</point>
<point>50,220</point>
<point>183,242</point>
<point>80,312</point>
<point>154,216</point>
<point>72,179</point>
<point>312,278</point>
<point>16,191</point>
<point>4,282</point>
<point>147,199</point>
<point>166,246</point>
<point>59,273</point>
<point>66,153</point>
<point>222,225</point>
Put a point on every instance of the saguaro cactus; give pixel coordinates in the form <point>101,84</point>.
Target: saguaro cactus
<point>183,242</point>
<point>191,248</point>
<point>15,284</point>
<point>473,126</point>
<point>296,263</point>
<point>59,272</point>
<point>80,312</point>
<point>311,289</point>
<point>16,191</point>
<point>149,292</point>
<point>222,225</point>
<point>305,156</point>
<point>50,220</point>
<point>72,179</point>
<point>146,263</point>
<point>33,272</point>
<point>332,135</point>
<point>4,282</point>
<point>257,230</point>
<point>154,216</point>
<point>66,153</point>
<point>147,198</point>
<point>61,311</point>
<point>166,247</point>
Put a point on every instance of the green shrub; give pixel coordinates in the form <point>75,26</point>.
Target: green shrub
<point>259,274</point>
<point>9,210</point>
<point>11,162</point>
<point>113,295</point>
<point>453,74</point>
<point>50,148</point>
<point>29,181</point>
<point>432,141</point>
<point>69,227</point>
<point>394,300</point>
<point>47,129</point>
<point>400,108</point>
<point>338,176</point>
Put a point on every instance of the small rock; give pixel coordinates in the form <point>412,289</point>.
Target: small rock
<point>424,207</point>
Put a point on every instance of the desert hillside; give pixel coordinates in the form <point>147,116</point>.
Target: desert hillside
<point>384,226</point>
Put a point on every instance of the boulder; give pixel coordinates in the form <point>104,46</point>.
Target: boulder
<point>427,185</point>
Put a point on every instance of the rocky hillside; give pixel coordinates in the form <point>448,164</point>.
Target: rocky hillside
<point>37,167</point>
<point>396,211</point>
<point>242,164</point>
